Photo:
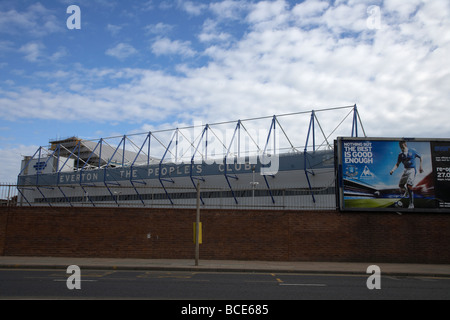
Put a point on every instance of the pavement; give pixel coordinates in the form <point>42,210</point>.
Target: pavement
<point>392,269</point>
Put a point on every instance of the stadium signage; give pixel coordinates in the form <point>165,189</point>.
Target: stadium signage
<point>152,172</point>
<point>231,167</point>
<point>393,174</point>
<point>78,177</point>
<point>358,152</point>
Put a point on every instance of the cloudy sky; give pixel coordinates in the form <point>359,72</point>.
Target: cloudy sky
<point>135,66</point>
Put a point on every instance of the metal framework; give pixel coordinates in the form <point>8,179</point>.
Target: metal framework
<point>134,151</point>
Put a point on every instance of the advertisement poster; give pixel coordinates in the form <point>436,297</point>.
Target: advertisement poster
<point>394,174</point>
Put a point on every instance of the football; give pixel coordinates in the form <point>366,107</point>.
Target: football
<point>399,204</point>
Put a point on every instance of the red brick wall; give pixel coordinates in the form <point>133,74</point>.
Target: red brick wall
<point>227,234</point>
<point>3,224</point>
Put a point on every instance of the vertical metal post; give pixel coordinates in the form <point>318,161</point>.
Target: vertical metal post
<point>9,193</point>
<point>274,135</point>
<point>160,170</point>
<point>57,160</point>
<point>272,128</point>
<point>132,165</point>
<point>225,171</point>
<point>313,119</point>
<point>79,155</point>
<point>176,147</point>
<point>311,126</point>
<point>253,188</point>
<point>72,153</point>
<point>149,147</point>
<point>58,175</point>
<point>204,132</point>
<point>86,164</point>
<point>254,184</point>
<point>197,227</point>
<point>206,143</point>
<point>311,130</point>
<point>123,153</point>
<point>100,154</point>
<point>113,195</point>
<point>355,122</point>
<point>38,167</point>
<point>239,142</point>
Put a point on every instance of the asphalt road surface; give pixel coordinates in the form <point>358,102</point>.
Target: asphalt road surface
<point>160,285</point>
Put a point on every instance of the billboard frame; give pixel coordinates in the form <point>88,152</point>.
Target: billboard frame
<point>340,166</point>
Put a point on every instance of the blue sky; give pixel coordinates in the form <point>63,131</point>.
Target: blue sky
<point>136,66</point>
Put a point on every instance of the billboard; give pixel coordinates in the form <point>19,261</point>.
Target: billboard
<point>393,174</point>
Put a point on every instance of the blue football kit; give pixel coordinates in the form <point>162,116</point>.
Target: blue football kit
<point>409,159</point>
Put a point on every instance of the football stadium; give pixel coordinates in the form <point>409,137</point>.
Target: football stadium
<point>278,162</point>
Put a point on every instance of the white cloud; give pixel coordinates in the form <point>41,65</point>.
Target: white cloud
<point>269,14</point>
<point>165,46</point>
<point>113,29</point>
<point>121,51</point>
<point>229,9</point>
<point>309,9</point>
<point>211,32</point>
<point>346,18</point>
<point>35,52</point>
<point>193,8</point>
<point>147,6</point>
<point>32,51</point>
<point>159,28</point>
<point>11,158</point>
<point>57,55</point>
<point>36,20</point>
<point>402,9</point>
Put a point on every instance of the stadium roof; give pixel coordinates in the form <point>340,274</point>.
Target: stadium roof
<point>96,154</point>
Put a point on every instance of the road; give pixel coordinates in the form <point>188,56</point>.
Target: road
<point>160,285</point>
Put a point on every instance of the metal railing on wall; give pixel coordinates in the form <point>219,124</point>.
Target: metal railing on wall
<point>172,197</point>
<point>8,194</point>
